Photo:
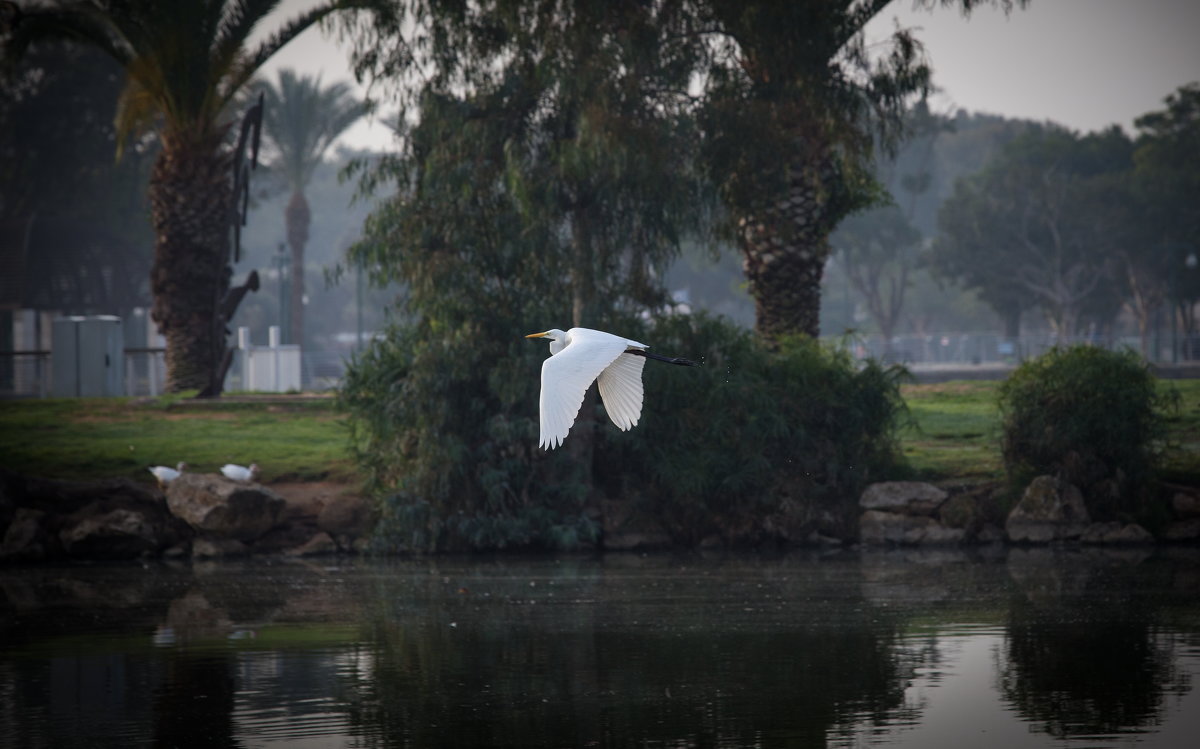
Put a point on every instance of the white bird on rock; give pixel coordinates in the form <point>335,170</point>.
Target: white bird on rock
<point>580,356</point>
<point>166,475</point>
<point>240,473</point>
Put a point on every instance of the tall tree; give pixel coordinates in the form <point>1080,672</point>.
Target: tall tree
<point>73,231</point>
<point>184,63</point>
<point>878,250</point>
<point>1168,183</point>
<point>301,121</point>
<point>1039,224</point>
<point>539,179</point>
<point>794,102</point>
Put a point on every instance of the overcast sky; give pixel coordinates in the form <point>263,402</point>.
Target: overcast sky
<point>1085,64</point>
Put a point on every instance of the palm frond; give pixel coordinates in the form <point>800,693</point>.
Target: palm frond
<point>302,120</point>
<point>244,68</point>
<point>82,22</point>
<point>137,109</point>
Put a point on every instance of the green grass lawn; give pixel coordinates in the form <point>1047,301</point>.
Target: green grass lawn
<point>955,431</point>
<point>954,434</point>
<point>292,439</point>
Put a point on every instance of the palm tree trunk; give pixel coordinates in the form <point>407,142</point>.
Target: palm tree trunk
<point>582,445</point>
<point>298,218</point>
<point>784,248</point>
<point>190,198</point>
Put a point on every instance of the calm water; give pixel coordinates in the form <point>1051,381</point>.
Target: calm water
<point>1020,649</point>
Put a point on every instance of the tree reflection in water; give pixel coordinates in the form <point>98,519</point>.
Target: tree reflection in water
<point>660,659</point>
<point>1084,653</point>
<point>795,651</point>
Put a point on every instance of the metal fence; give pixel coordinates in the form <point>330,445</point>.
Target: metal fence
<point>995,348</point>
<point>29,373</point>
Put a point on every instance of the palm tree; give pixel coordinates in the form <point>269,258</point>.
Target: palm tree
<point>185,62</point>
<point>301,121</point>
<point>794,107</point>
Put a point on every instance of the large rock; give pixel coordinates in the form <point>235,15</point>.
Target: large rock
<point>217,506</point>
<point>117,534</point>
<point>1183,530</point>
<point>886,528</point>
<point>24,538</point>
<point>105,519</point>
<point>1185,505</point>
<point>960,511</point>
<point>347,515</point>
<point>215,547</point>
<point>319,544</point>
<point>1050,510</point>
<point>908,497</point>
<point>1115,533</point>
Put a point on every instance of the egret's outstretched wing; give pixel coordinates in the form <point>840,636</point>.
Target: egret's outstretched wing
<point>621,388</point>
<point>566,377</point>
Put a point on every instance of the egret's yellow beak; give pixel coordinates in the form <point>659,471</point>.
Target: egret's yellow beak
<point>537,335</point>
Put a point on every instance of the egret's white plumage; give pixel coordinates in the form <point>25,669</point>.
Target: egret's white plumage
<point>577,358</point>
<point>240,473</point>
<point>166,475</point>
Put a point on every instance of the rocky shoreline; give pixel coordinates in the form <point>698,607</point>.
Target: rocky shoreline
<point>1050,511</point>
<point>199,516</point>
<point>204,516</point>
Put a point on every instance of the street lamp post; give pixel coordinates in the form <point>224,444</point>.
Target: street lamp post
<point>282,264</point>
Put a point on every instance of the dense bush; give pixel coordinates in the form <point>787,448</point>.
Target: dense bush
<point>754,445</point>
<point>1091,416</point>
<point>758,444</point>
<point>445,429</point>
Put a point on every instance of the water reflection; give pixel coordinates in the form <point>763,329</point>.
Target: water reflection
<point>1087,652</point>
<point>848,650</point>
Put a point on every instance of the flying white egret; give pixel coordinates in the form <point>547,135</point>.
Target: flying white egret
<point>577,358</point>
<point>240,473</point>
<point>166,475</point>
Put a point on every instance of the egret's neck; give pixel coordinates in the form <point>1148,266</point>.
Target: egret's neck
<point>556,346</point>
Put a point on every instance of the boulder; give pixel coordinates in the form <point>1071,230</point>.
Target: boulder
<point>908,497</point>
<point>990,534</point>
<point>24,539</point>
<point>939,535</point>
<point>347,515</point>
<point>117,534</point>
<point>1183,530</point>
<point>876,527</point>
<point>321,543</point>
<point>1116,534</point>
<point>1050,510</point>
<point>1185,505</point>
<point>959,511</point>
<point>218,506</point>
<point>283,537</point>
<point>209,547</point>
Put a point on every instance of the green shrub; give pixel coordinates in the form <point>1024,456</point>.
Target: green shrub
<point>757,444</point>
<point>754,445</point>
<point>444,426</point>
<point>1095,418</point>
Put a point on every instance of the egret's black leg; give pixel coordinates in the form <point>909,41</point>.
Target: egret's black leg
<point>668,359</point>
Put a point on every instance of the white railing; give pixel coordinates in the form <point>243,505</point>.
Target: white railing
<point>994,348</point>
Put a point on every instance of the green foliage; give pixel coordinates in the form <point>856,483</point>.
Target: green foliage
<point>757,444</point>
<point>1092,417</point>
<point>1039,225</point>
<point>754,445</point>
<point>444,422</point>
